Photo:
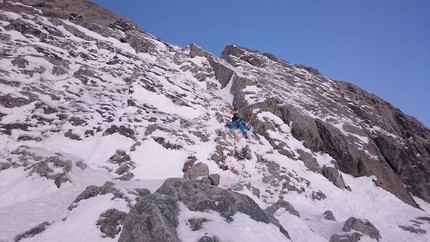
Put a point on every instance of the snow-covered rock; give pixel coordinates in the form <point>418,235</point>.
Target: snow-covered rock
<point>96,114</point>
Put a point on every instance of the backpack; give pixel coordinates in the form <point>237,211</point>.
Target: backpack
<point>241,116</point>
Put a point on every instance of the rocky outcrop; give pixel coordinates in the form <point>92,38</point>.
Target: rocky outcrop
<point>110,222</point>
<point>333,175</point>
<point>81,12</point>
<point>282,204</point>
<point>409,162</point>
<point>93,190</point>
<point>199,171</point>
<point>357,147</point>
<point>33,232</point>
<point>355,229</point>
<point>155,217</point>
<point>329,215</point>
<point>353,160</point>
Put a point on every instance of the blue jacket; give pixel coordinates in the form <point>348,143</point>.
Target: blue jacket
<point>237,123</point>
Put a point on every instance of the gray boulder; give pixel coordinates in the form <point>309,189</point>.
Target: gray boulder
<point>200,197</point>
<point>198,170</point>
<point>282,204</point>
<point>363,226</point>
<point>213,179</point>
<point>348,237</point>
<point>333,175</point>
<point>110,222</point>
<point>355,228</point>
<point>329,215</point>
<point>309,161</point>
<point>155,217</point>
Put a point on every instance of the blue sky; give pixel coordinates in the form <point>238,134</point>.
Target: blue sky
<point>381,46</point>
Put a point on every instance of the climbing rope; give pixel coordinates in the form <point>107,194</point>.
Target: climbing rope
<point>241,173</point>
<point>231,161</point>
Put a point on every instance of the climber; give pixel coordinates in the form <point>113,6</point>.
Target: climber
<point>237,123</point>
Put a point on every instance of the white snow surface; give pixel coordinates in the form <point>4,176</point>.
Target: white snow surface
<point>27,200</point>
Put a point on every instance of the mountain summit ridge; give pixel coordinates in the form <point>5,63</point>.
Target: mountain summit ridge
<point>96,113</point>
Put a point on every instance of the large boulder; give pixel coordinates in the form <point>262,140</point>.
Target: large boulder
<point>333,175</point>
<point>282,204</point>
<point>155,217</point>
<point>355,229</point>
<point>197,172</point>
<point>363,226</point>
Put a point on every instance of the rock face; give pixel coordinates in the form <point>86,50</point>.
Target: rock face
<point>81,12</point>
<point>376,138</point>
<point>155,217</point>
